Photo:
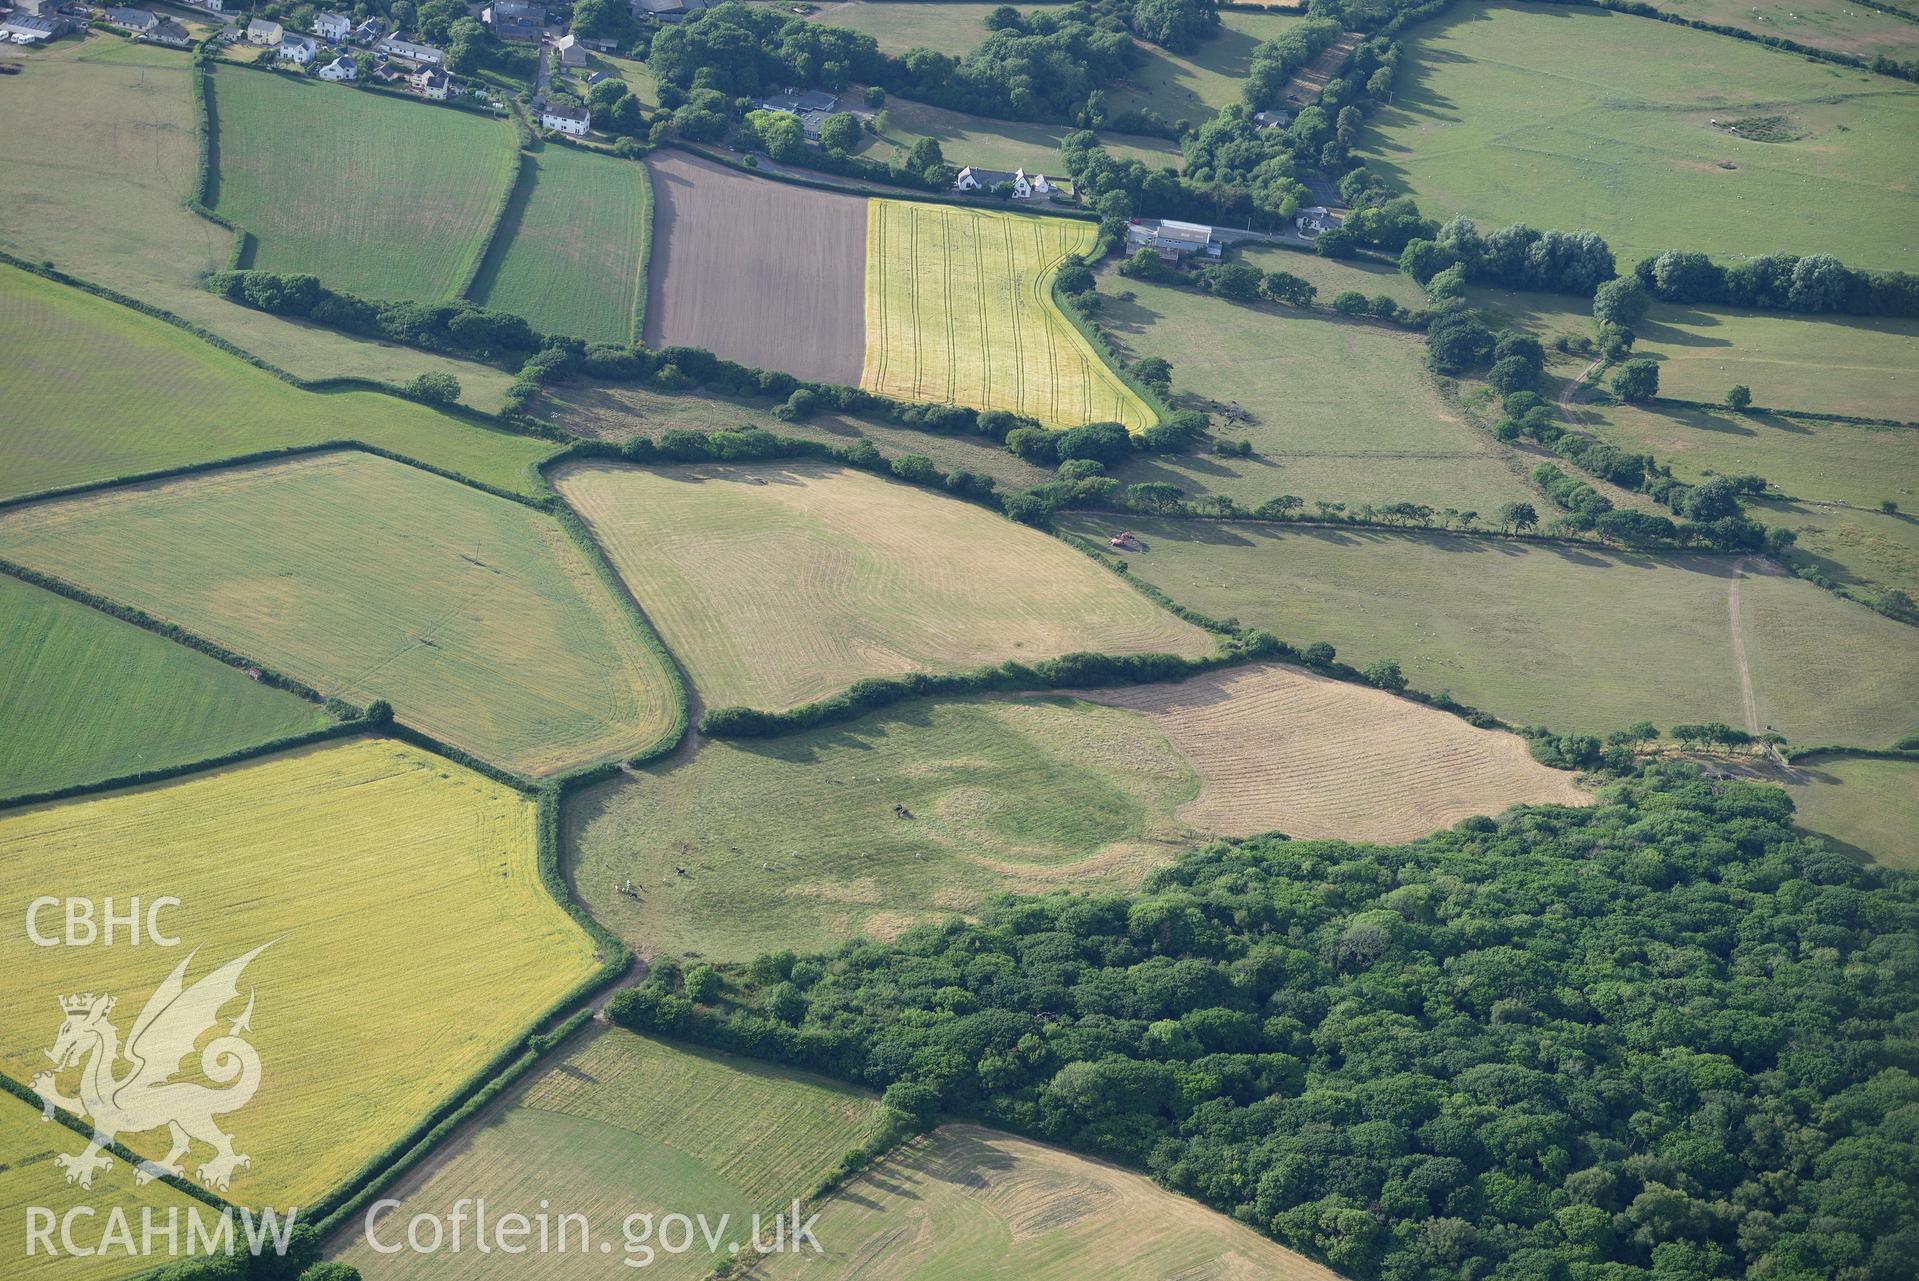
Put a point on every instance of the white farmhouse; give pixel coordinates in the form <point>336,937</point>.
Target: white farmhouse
<point>341,68</point>
<point>264,31</point>
<point>573,120</point>
<point>967,180</point>
<point>332,26</point>
<point>298,49</point>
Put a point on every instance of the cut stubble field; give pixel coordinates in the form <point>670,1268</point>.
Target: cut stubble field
<point>959,310</point>
<point>85,697</point>
<point>777,585</point>
<point>97,161</point>
<point>375,195</point>
<point>1574,638</point>
<point>930,809</point>
<point>966,1203</point>
<point>150,396</point>
<point>767,274</point>
<point>1575,117</point>
<point>571,253</point>
<point>623,1126</point>
<point>1341,410</point>
<point>409,939</point>
<point>478,619</point>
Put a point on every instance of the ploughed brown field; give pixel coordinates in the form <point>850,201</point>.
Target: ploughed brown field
<point>770,275</point>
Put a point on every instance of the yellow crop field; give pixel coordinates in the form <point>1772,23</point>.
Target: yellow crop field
<point>30,1179</point>
<point>478,619</point>
<point>959,309</point>
<point>970,1204</point>
<point>407,939</point>
<point>777,585</point>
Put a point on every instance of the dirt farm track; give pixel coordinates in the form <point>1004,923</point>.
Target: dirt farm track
<point>770,275</point>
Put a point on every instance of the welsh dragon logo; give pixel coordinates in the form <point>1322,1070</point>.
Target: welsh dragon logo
<point>146,1096</point>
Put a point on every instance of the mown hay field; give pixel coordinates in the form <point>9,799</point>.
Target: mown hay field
<point>1281,749</point>
<point>97,160</point>
<point>770,275</point>
<point>1570,637</point>
<point>86,697</point>
<point>410,939</point>
<point>374,195</point>
<point>1195,86</point>
<point>626,1126</point>
<point>777,585</point>
<point>150,396</point>
<point>959,309</point>
<point>954,29</point>
<point>1866,366</point>
<point>1581,118</point>
<point>1839,25</point>
<point>794,842</point>
<point>966,1203</point>
<point>571,253</point>
<point>1870,806</point>
<point>1342,410</point>
<point>478,619</point>
<point>30,1181</point>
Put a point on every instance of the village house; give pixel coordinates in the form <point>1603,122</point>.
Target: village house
<point>137,21</point>
<point>1312,221</point>
<point>422,53</point>
<point>265,31</point>
<point>369,31</point>
<point>48,9</point>
<point>341,68</point>
<point>332,26</point>
<point>1172,240</point>
<point>430,83</point>
<point>572,52</point>
<point>565,119</point>
<point>667,10</point>
<point>172,34</point>
<point>516,20</point>
<point>298,49</point>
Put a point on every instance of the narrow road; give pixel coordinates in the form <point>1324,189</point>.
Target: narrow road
<point>1739,647</point>
<point>1566,393</point>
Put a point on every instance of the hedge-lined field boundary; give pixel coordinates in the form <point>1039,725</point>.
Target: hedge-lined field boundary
<point>1882,65</point>
<point>1811,415</point>
<point>521,190</point>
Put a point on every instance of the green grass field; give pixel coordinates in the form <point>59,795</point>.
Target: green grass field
<point>624,1126</point>
<point>966,1203</point>
<point>87,697</point>
<point>953,29</point>
<point>29,1178</point>
<point>776,585</point>
<point>476,618</point>
<point>409,941</point>
<point>1333,276</point>
<point>1579,118</point>
<point>571,254</point>
<point>1343,410</point>
<point>1839,25</point>
<point>96,163</point>
<point>1573,638</point>
<point>997,144</point>
<point>149,396</point>
<point>376,196</point>
<point>1863,366</point>
<point>1869,806</point>
<point>1195,86</point>
<point>959,309</point>
<point>795,842</point>
<point>1868,551</point>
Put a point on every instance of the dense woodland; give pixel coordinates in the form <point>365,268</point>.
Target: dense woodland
<point>1665,1037</point>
